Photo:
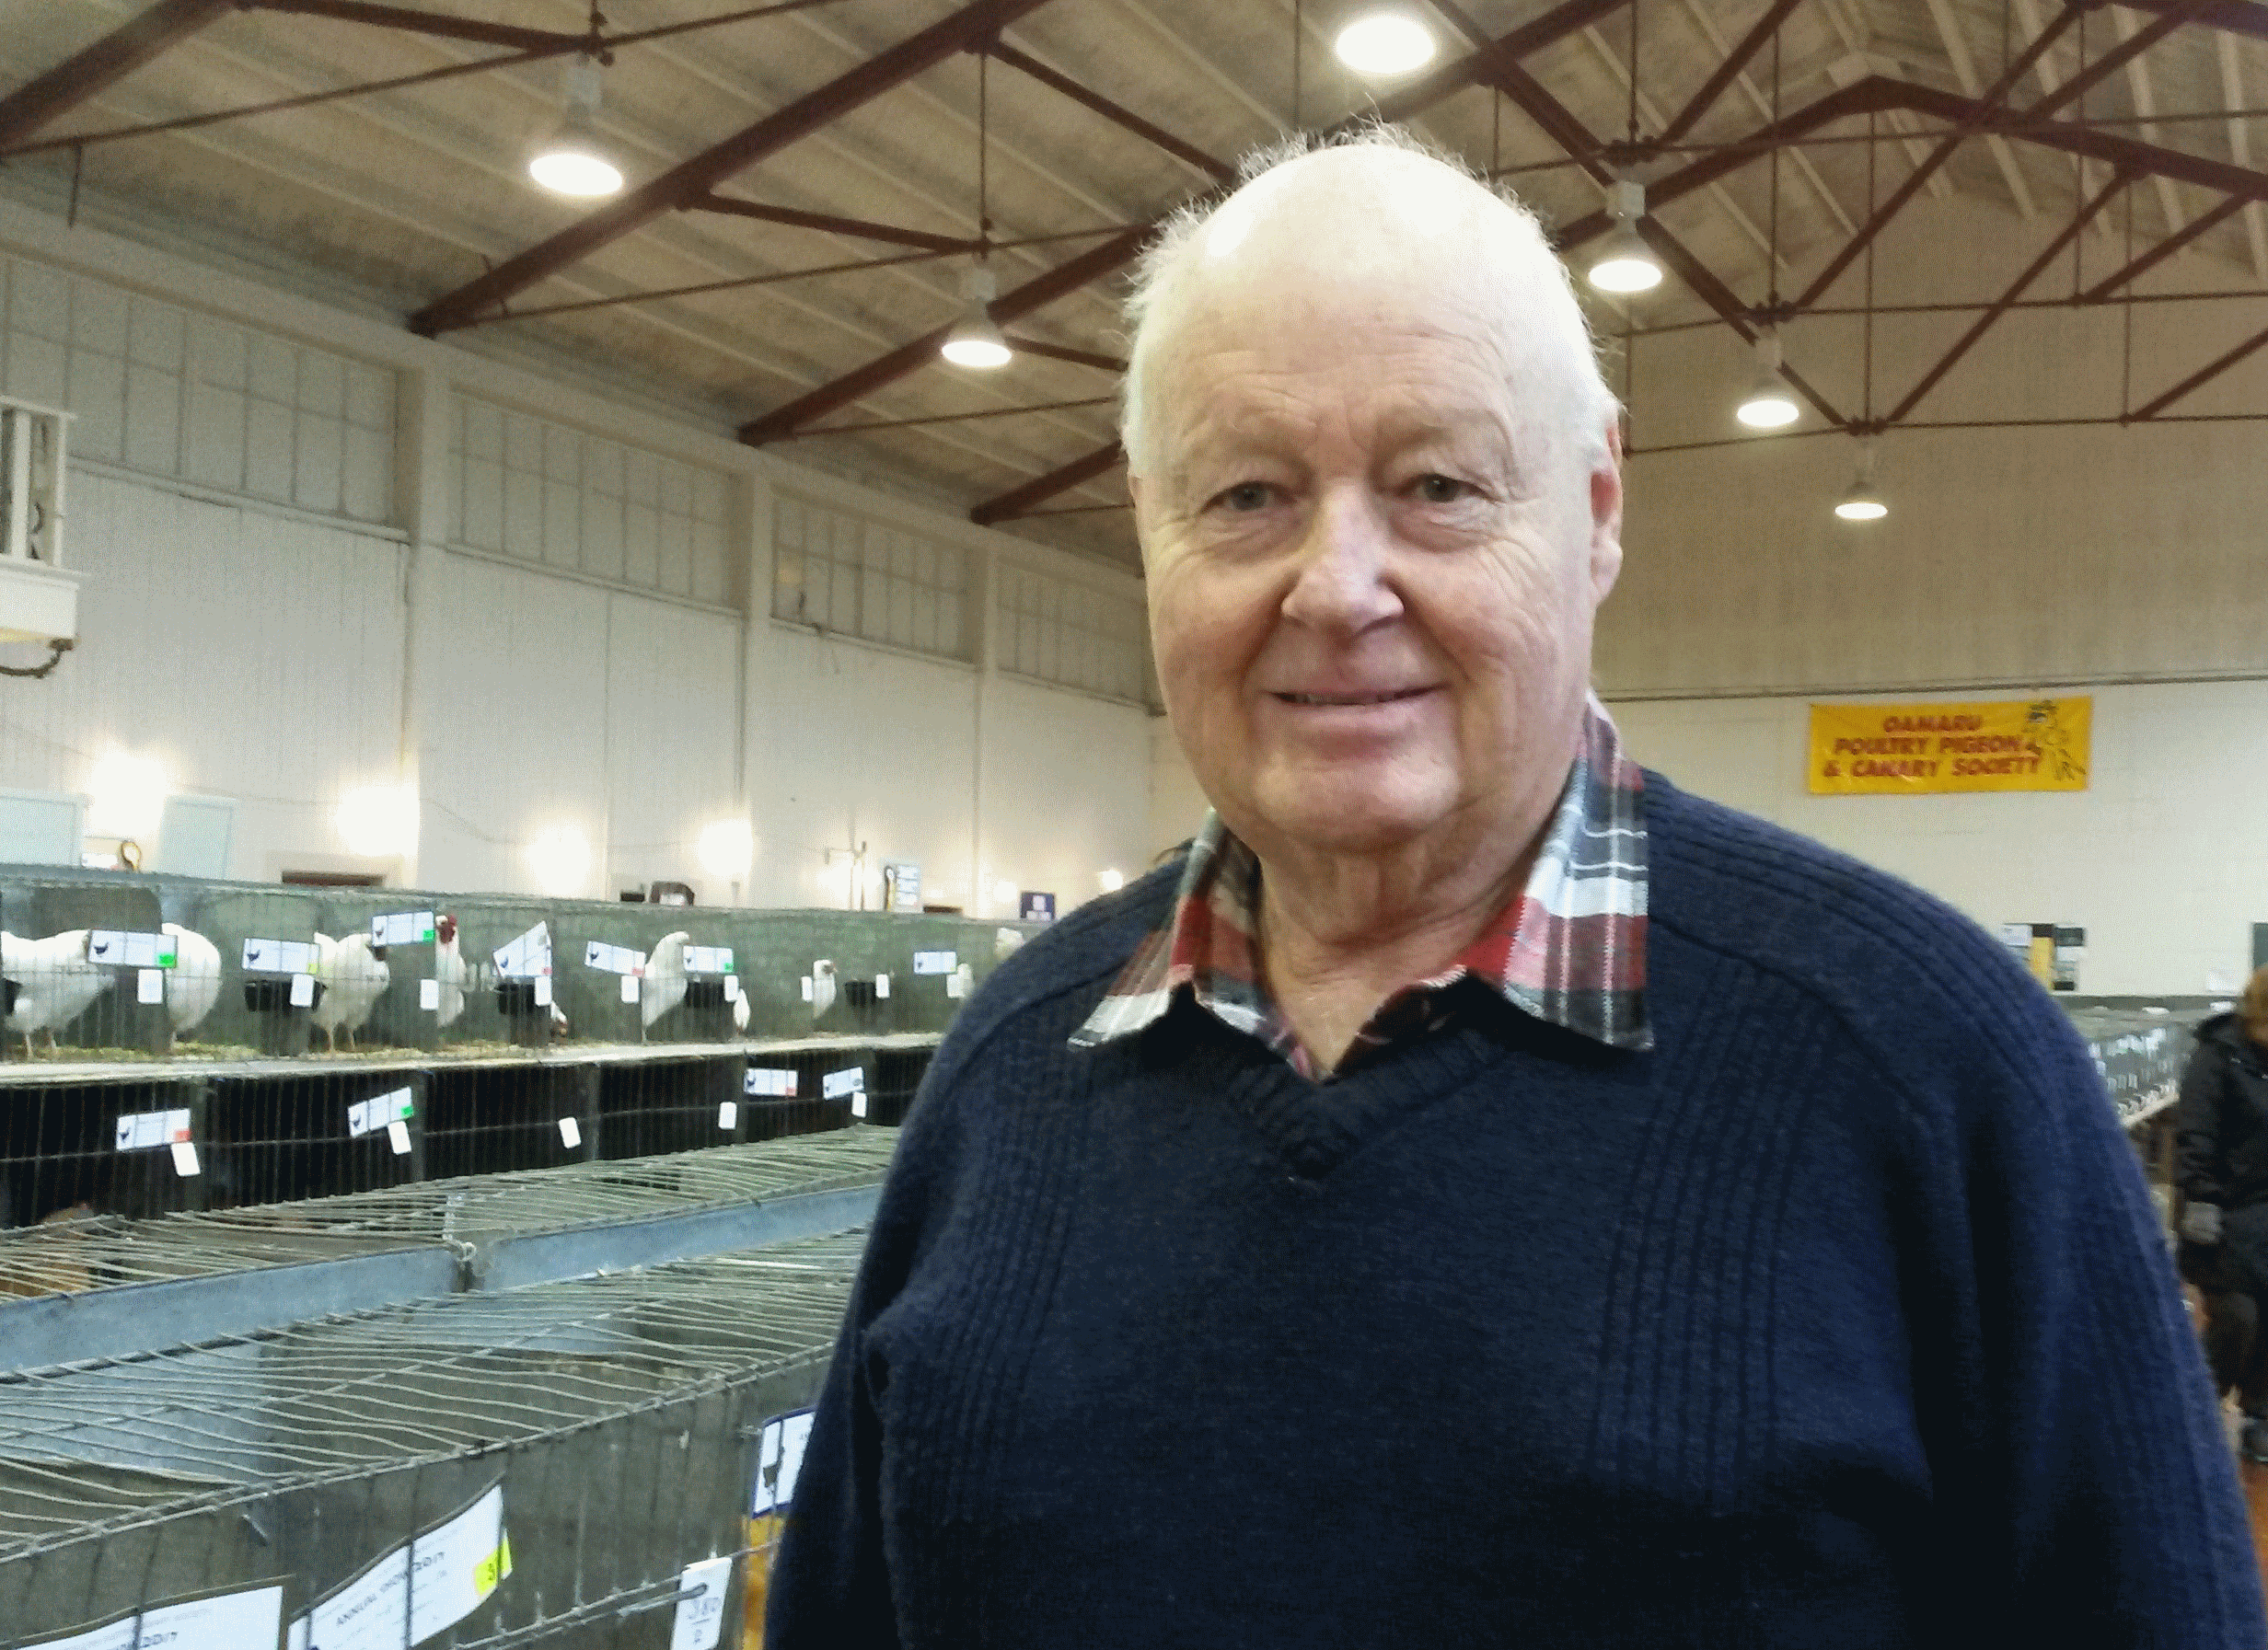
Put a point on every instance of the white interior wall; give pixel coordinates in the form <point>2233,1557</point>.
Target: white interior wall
<point>281,652</point>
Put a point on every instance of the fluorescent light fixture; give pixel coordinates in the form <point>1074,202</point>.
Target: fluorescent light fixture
<point>1624,262</point>
<point>378,822</point>
<point>127,795</point>
<point>560,857</point>
<point>1863,503</point>
<point>974,341</point>
<point>727,848</point>
<point>1767,404</point>
<point>1385,42</point>
<point>572,159</point>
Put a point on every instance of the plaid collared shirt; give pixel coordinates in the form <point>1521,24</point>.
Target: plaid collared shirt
<point>1569,949</point>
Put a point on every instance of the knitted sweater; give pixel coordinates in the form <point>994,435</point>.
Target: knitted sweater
<point>1839,1318</point>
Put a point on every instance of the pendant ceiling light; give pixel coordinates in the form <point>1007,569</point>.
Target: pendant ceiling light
<point>1625,263</point>
<point>1384,43</point>
<point>975,339</point>
<point>1767,404</point>
<point>573,159</point>
<point>1864,501</point>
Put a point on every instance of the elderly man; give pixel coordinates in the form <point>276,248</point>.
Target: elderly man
<point>1480,1195</point>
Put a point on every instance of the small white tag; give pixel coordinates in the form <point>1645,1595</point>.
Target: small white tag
<point>779,1462</point>
<point>702,1590</point>
<point>882,984</point>
<point>731,987</point>
<point>773,1081</point>
<point>851,1080</point>
<point>184,1159</point>
<point>149,986</point>
<point>953,986</point>
<point>397,1137</point>
<point>630,987</point>
<point>806,987</point>
<point>570,1133</point>
<point>858,1103</point>
<point>728,1115</point>
<point>543,991</point>
<point>303,991</point>
<point>429,996</point>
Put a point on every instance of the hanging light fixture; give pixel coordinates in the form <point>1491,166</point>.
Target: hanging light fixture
<point>1767,404</point>
<point>1863,503</point>
<point>573,159</point>
<point>1383,44</point>
<point>1625,263</point>
<point>974,341</point>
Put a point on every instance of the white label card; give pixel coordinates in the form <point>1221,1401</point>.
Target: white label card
<point>701,1592</point>
<point>402,927</point>
<point>570,1133</point>
<point>429,996</point>
<point>708,959</point>
<point>612,959</point>
<point>278,956</point>
<point>858,1103</point>
<point>303,991</point>
<point>457,1566</point>
<point>778,1460</point>
<point>851,1080</point>
<point>728,1115</point>
<point>224,1621</point>
<point>543,991</point>
<point>935,962</point>
<point>806,987</point>
<point>397,1137</point>
<point>731,987</point>
<point>129,947</point>
<point>529,956</point>
<point>379,1111</point>
<point>149,985</point>
<point>953,986</point>
<point>141,1131</point>
<point>185,1158</point>
<point>630,987</point>
<point>882,986</point>
<point>774,1081</point>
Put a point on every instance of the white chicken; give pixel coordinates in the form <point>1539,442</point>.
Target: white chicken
<point>352,979</point>
<point>740,1012</point>
<point>664,987</point>
<point>195,984</point>
<point>822,990</point>
<point>53,981</point>
<point>449,971</point>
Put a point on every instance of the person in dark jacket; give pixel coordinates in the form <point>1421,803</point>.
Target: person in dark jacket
<point>2222,1132</point>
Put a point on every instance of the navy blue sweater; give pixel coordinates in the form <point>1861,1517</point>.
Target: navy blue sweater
<point>1839,1318</point>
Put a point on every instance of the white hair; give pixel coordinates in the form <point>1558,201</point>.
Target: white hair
<point>1570,353</point>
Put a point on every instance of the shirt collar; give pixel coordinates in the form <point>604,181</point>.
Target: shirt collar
<point>1568,948</point>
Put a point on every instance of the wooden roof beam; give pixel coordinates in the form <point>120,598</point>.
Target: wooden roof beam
<point>1040,489</point>
<point>1759,34</point>
<point>421,22</point>
<point>101,65</point>
<point>1189,154</point>
<point>697,176</point>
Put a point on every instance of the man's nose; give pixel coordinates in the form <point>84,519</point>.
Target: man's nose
<point>1341,585</point>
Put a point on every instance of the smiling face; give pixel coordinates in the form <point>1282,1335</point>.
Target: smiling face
<point>1374,547</point>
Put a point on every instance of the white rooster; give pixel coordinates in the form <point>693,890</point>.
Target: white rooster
<point>822,990</point>
<point>449,971</point>
<point>53,981</point>
<point>195,984</point>
<point>664,987</point>
<point>352,979</point>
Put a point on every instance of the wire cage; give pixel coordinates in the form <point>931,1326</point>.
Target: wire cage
<point>69,1152</point>
<point>571,1463</point>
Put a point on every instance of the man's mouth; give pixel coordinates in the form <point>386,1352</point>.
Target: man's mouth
<point>1381,697</point>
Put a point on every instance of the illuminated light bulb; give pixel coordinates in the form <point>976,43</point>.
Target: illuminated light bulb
<point>1112,881</point>
<point>974,341</point>
<point>1385,42</point>
<point>378,822</point>
<point>1863,503</point>
<point>1624,262</point>
<point>1767,404</point>
<point>561,857</point>
<point>726,847</point>
<point>573,159</point>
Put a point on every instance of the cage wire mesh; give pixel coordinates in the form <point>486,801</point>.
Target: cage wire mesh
<point>541,1466</point>
<point>107,1252</point>
<point>138,1140</point>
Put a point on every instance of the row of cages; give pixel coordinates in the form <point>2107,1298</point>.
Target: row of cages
<point>109,967</point>
<point>600,1462</point>
<point>213,1140</point>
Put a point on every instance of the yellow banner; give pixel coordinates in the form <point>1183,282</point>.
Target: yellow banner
<point>1913,750</point>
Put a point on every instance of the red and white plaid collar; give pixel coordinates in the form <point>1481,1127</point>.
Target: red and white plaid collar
<point>1569,949</point>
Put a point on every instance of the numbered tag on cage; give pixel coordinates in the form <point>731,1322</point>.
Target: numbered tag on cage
<point>728,1115</point>
<point>778,1460</point>
<point>701,1592</point>
<point>570,1133</point>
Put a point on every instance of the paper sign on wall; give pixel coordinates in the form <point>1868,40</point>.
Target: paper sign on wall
<point>770,1080</point>
<point>1922,749</point>
<point>224,1621</point>
<point>457,1565</point>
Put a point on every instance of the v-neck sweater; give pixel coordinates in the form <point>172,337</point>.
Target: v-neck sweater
<point>1838,1318</point>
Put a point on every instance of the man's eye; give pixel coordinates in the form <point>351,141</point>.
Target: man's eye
<point>1442,490</point>
<point>1247,496</point>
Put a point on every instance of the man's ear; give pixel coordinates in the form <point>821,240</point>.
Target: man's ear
<point>1606,513</point>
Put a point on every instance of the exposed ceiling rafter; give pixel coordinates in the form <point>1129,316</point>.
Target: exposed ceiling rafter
<point>109,60</point>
